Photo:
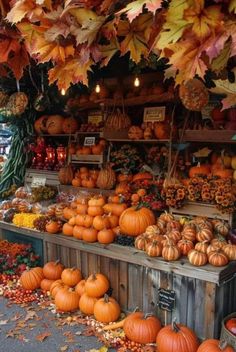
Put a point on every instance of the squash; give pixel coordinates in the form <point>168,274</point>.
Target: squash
<point>193,94</point>
<point>70,125</point>
<point>54,124</point>
<point>135,133</point>
<point>117,121</point>
<point>106,178</point>
<point>162,130</point>
<point>66,175</point>
<point>199,170</point>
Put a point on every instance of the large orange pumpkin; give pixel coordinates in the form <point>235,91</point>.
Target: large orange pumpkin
<point>40,125</point>
<point>213,345</point>
<point>133,222</point>
<point>106,309</point>
<point>54,124</point>
<point>70,125</point>
<point>199,170</point>
<point>31,279</point>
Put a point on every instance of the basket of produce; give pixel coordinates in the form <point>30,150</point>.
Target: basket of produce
<point>228,329</point>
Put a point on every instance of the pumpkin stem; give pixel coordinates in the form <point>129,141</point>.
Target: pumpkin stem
<point>147,315</point>
<point>73,268</point>
<point>57,261</point>
<point>136,309</point>
<point>222,345</point>
<point>94,277</point>
<point>106,298</point>
<point>174,326</point>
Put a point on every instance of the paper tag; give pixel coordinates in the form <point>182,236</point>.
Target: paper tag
<point>95,117</point>
<point>154,114</point>
<point>166,299</point>
<point>38,181</point>
<point>89,141</point>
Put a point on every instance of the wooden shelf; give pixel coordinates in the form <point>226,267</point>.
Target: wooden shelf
<point>139,140</point>
<point>209,136</point>
<point>74,190</point>
<point>86,159</point>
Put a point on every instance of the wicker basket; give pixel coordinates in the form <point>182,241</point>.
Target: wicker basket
<point>225,334</point>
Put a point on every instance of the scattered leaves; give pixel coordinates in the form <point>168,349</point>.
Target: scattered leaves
<point>135,8</point>
<point>43,336</point>
<point>64,348</point>
<point>3,322</point>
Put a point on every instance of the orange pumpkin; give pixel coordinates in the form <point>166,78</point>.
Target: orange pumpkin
<point>86,304</point>
<point>106,310</point>
<point>96,285</point>
<point>52,270</point>
<point>67,229</point>
<point>80,287</point>
<point>31,279</point>
<point>199,170</point>
<point>162,130</point>
<point>106,236</point>
<point>67,300</point>
<point>122,188</point>
<point>133,222</point>
<point>95,210</point>
<point>68,213</point>
<point>71,276</point>
<point>97,149</point>
<point>46,284</point>
<point>78,232</point>
<point>70,125</point>
<point>54,124</point>
<point>65,175</point>
<point>90,235</point>
<point>53,227</point>
<point>76,182</point>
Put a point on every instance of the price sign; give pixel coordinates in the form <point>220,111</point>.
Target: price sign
<point>88,141</point>
<point>154,114</point>
<point>38,181</point>
<point>95,117</point>
<point>166,299</point>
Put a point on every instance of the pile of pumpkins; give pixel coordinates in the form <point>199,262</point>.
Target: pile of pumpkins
<point>96,149</point>
<point>70,293</point>
<point>56,124</point>
<point>201,240</point>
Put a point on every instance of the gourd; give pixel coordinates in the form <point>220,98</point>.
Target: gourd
<point>185,246</point>
<point>65,175</point>
<point>106,309</point>
<point>193,94</point>
<point>54,124</point>
<point>230,251</point>
<point>133,222</point>
<point>106,178</point>
<point>141,328</point>
<point>70,125</point>
<point>154,248</point>
<point>170,251</point>
<point>135,133</point>
<point>217,258</point>
<point>197,258</point>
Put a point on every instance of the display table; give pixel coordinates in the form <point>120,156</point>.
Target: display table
<point>204,295</point>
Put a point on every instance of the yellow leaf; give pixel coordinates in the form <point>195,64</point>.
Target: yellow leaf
<point>82,15</point>
<point>19,10</point>
<point>32,35</point>
<point>232,6</point>
<point>221,60</point>
<point>108,51</point>
<point>88,31</point>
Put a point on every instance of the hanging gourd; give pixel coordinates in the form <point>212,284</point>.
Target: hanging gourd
<point>193,94</point>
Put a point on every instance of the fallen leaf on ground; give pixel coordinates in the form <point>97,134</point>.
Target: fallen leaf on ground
<point>22,338</point>
<point>3,322</point>
<point>31,314</point>
<point>17,316</point>
<point>88,332</point>
<point>43,336</point>
<point>78,333</point>
<point>64,348</point>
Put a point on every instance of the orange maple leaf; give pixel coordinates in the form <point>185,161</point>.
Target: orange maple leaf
<point>70,72</point>
<point>18,61</point>
<point>7,47</point>
<point>205,21</point>
<point>25,8</point>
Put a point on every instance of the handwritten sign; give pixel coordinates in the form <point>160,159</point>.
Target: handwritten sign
<point>166,299</point>
<point>38,181</point>
<point>154,114</point>
<point>88,141</point>
<point>95,117</point>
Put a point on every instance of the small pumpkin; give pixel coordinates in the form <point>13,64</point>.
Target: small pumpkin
<point>87,303</point>
<point>78,232</point>
<point>56,286</point>
<point>185,246</point>
<point>67,229</point>
<point>170,251</point>
<point>202,246</point>
<point>101,222</point>
<point>46,284</point>
<point>70,125</point>
<point>230,250</point>
<point>213,345</point>
<point>115,209</point>
<point>53,226</point>
<point>140,242</point>
<point>197,258</point>
<point>221,227</point>
<point>97,201</point>
<point>71,276</point>
<point>106,236</point>
<point>166,216</point>
<point>80,288</point>
<point>142,328</point>
<point>52,270</point>
<point>154,248</point>
<point>176,338</point>
<point>106,310</point>
<point>162,130</point>
<point>31,279</point>
<point>199,170</point>
<point>95,210</point>
<point>133,222</point>
<point>96,285</point>
<point>135,133</point>
<point>204,234</point>
<point>218,258</point>
<point>67,300</point>
<point>90,235</point>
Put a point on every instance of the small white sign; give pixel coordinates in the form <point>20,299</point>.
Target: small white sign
<point>154,114</point>
<point>89,141</point>
<point>38,181</point>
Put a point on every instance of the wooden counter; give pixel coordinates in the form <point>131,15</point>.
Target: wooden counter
<point>204,295</point>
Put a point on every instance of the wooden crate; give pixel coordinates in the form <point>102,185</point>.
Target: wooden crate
<point>200,209</point>
<point>98,159</point>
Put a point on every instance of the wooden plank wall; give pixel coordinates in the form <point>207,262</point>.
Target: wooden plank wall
<point>199,304</point>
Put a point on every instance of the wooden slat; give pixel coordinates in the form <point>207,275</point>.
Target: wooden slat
<point>123,285</point>
<point>199,307</point>
<point>191,302</point>
<point>153,285</point>
<point>114,277</point>
<point>210,301</point>
<point>84,264</point>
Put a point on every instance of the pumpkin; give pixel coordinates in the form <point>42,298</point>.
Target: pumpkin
<point>140,242</point>
<point>199,170</point>
<point>90,235</point>
<point>122,188</point>
<point>68,213</point>
<point>87,303</point>
<point>76,182</point>
<point>221,227</point>
<point>78,232</point>
<point>173,225</point>
<point>161,130</point>
<point>133,222</point>
<point>40,125</point>
<point>204,234</point>
<point>106,310</point>
<point>97,201</point>
<point>189,233</point>
<point>65,175</point>
<point>80,288</point>
<point>135,133</point>
<point>67,300</point>
<point>81,208</point>
<point>56,286</point>
<point>54,124</point>
<point>185,246</point>
<point>52,270</point>
<point>67,229</point>
<point>230,250</point>
<point>106,178</point>
<point>106,236</point>
<point>166,216</point>
<point>202,246</point>
<point>96,285</point>
<point>46,284</point>
<point>113,220</point>
<point>70,125</point>
<point>88,220</point>
<point>193,94</point>
<point>71,276</point>
<point>197,258</point>
<point>213,345</point>
<point>154,248</point>
<point>97,149</point>
<point>142,176</point>
<point>117,121</point>
<point>219,242</point>
<point>148,134</point>
<point>223,173</point>
<point>124,177</point>
<point>218,258</point>
<point>153,230</point>
<point>53,226</point>
<point>101,222</point>
<point>176,338</point>
<point>174,235</point>
<point>170,251</point>
<point>95,211</point>
<point>142,328</point>
<point>115,209</point>
<point>31,279</point>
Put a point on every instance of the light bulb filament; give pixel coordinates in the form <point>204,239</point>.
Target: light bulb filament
<point>63,91</point>
<point>97,88</point>
<point>136,82</point>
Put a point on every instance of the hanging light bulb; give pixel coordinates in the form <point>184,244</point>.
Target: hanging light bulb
<point>98,89</point>
<point>63,91</point>
<point>136,82</point>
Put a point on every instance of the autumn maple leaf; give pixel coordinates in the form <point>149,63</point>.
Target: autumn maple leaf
<point>25,8</point>
<point>204,21</point>
<point>88,31</point>
<point>8,46</point>
<point>71,72</point>
<point>136,36</point>
<point>135,8</point>
<point>18,61</point>
<point>108,51</point>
